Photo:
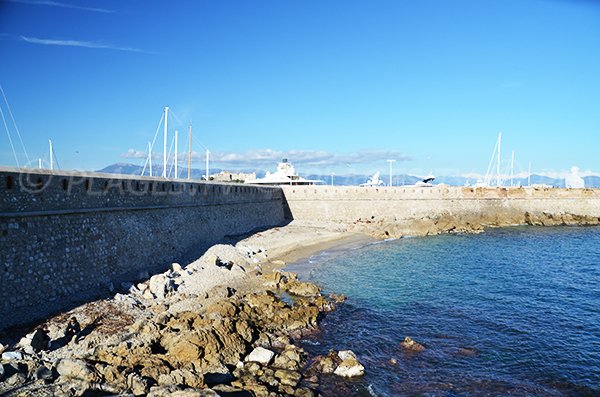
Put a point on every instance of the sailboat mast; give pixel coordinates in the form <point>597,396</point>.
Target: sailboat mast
<point>164,173</point>
<point>150,157</point>
<point>529,175</point>
<point>498,165</point>
<point>207,170</point>
<point>512,166</point>
<point>176,154</point>
<point>190,155</point>
<point>51,155</point>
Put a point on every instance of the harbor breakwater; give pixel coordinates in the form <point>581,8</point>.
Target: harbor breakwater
<point>66,237</point>
<point>386,212</point>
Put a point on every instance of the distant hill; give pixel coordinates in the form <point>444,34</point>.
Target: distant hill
<point>354,179</point>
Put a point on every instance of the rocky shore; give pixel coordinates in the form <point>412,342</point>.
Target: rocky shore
<point>227,324</point>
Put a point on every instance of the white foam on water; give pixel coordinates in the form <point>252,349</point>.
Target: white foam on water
<point>371,391</point>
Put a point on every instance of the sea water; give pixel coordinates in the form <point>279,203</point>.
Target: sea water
<point>512,311</point>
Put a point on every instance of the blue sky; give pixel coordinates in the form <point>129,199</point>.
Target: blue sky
<point>337,86</point>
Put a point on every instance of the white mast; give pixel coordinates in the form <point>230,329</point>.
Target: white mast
<point>190,155</point>
<point>529,175</point>
<point>164,173</point>
<point>150,156</point>
<point>332,179</point>
<point>498,165</point>
<point>512,166</point>
<point>40,163</point>
<point>207,170</point>
<point>176,157</point>
<point>51,156</point>
<point>391,161</point>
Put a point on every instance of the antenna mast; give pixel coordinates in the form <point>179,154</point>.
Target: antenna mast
<point>190,155</point>
<point>164,173</point>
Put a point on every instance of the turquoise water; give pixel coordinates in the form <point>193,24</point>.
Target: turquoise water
<point>511,311</point>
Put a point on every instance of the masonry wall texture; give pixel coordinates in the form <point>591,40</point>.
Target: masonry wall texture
<point>67,237</point>
<point>399,211</point>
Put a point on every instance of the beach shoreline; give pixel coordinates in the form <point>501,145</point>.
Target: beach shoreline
<point>223,275</point>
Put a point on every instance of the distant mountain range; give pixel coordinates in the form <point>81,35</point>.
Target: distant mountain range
<point>354,179</point>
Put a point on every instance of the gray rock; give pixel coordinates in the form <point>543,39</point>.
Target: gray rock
<point>160,286</point>
<point>75,369</point>
<point>138,385</point>
<point>16,379</point>
<point>9,356</point>
<point>43,373</point>
<point>261,355</point>
<point>349,367</point>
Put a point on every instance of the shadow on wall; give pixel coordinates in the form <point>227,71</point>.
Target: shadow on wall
<point>64,244</point>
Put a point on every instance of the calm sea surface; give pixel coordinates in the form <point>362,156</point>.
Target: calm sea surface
<point>512,311</point>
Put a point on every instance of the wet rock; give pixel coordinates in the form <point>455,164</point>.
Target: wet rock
<point>274,280</point>
<point>1,372</point>
<point>300,288</point>
<point>287,377</point>
<point>2,348</point>
<point>350,366</point>
<point>411,345</point>
<point>175,391</point>
<point>261,355</point>
<point>76,369</point>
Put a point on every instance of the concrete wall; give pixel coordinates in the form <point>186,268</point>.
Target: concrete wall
<point>412,210</point>
<point>65,237</point>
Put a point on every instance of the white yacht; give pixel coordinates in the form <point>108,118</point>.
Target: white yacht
<point>285,175</point>
<point>373,181</point>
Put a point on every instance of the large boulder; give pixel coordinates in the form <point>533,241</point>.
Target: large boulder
<point>261,355</point>
<point>76,369</point>
<point>300,288</point>
<point>160,286</point>
<point>350,366</point>
<point>411,345</point>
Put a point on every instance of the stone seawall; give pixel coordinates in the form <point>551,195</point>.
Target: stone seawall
<point>398,211</point>
<point>67,237</point>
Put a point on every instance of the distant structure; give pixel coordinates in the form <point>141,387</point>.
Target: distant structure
<point>226,176</point>
<point>373,181</point>
<point>574,180</point>
<point>285,175</point>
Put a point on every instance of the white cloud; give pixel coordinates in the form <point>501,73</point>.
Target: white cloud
<point>134,154</point>
<point>78,43</point>
<point>268,158</point>
<point>62,5</point>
